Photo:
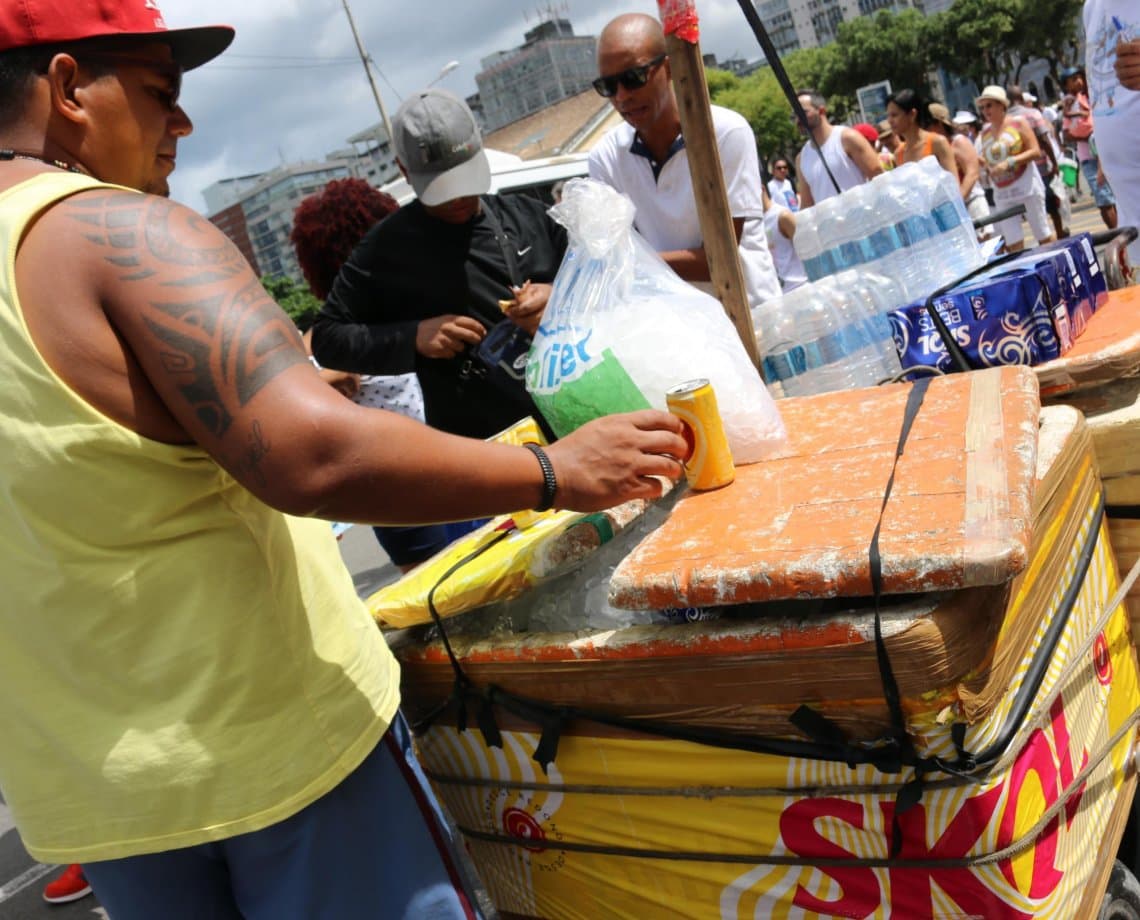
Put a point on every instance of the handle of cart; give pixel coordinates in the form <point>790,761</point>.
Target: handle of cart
<point>1113,248</point>
<point>997,216</point>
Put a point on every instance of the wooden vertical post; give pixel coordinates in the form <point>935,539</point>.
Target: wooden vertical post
<point>679,19</point>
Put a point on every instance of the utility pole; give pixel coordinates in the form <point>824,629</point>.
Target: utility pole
<point>368,70</point>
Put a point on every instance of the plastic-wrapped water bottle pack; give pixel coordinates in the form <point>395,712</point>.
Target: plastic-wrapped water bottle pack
<point>908,224</point>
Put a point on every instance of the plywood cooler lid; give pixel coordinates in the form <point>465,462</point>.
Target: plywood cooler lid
<point>800,525</point>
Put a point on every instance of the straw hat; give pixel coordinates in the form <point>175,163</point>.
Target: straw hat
<point>994,94</point>
<point>939,112</point>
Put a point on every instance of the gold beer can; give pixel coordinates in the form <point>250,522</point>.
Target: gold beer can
<point>709,464</point>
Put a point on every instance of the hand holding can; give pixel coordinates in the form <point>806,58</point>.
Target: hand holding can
<point>709,463</point>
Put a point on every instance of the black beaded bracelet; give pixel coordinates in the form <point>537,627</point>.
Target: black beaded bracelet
<point>549,482</point>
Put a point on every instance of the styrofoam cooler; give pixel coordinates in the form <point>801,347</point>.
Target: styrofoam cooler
<point>999,569</point>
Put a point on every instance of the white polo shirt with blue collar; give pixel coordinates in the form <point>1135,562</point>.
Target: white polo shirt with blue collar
<point>662,194</point>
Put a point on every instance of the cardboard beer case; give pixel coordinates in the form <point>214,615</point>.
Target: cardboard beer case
<point>1004,319</point>
<point>997,573</point>
<point>1027,309</point>
<point>1089,282</point>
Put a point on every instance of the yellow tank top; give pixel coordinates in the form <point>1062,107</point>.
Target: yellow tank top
<point>179,662</point>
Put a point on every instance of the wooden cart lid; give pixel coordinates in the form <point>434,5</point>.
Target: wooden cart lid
<point>1107,350</point>
<point>800,525</point>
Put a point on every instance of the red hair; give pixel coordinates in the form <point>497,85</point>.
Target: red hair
<point>328,224</point>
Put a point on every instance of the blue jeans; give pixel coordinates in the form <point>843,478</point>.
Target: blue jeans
<point>371,848</point>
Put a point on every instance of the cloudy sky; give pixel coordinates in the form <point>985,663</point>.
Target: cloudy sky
<point>292,87</point>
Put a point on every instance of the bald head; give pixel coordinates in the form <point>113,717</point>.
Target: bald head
<point>636,32</point>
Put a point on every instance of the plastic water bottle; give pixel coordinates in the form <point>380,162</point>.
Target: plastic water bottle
<point>901,208</point>
<point>957,241</point>
<point>808,245</point>
<point>838,232</point>
<point>873,296</point>
<point>782,358</point>
<point>867,231</point>
<point>828,335</point>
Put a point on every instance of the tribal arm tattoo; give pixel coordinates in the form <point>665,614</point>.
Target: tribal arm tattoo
<point>220,337</point>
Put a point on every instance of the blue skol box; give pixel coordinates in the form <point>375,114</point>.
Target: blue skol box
<point>1088,280</point>
<point>1061,291</point>
<point>1001,320</point>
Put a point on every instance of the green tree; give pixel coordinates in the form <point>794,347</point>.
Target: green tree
<point>1048,29</point>
<point>294,298</point>
<point>886,46</point>
<point>977,39</point>
<point>760,100</point>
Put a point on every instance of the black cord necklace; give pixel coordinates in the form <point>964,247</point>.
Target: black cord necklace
<point>9,154</point>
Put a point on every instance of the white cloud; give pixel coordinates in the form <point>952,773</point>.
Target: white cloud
<point>292,86</point>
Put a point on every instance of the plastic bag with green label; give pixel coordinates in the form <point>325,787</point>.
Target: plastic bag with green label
<point>621,328</point>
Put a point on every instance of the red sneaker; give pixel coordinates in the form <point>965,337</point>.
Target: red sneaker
<point>71,886</point>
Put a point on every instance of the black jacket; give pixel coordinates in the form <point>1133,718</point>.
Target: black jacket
<point>411,267</point>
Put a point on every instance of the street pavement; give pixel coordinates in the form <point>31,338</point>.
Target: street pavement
<point>22,879</point>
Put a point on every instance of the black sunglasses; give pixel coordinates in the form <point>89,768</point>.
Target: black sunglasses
<point>634,78</point>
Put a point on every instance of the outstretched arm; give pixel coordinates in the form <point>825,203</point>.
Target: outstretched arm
<point>231,369</point>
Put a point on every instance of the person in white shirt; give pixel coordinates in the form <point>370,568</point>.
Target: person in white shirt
<point>780,187</point>
<point>780,230</point>
<point>645,159</point>
<point>849,156</point>
<point>1113,66</point>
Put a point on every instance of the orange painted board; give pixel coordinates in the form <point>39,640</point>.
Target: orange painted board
<point>1107,350</point>
<point>800,524</point>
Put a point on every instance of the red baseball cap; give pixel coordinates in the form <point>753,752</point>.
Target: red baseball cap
<point>868,131</point>
<point>26,23</point>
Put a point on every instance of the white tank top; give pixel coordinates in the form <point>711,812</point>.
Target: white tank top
<point>788,266</point>
<point>846,173</point>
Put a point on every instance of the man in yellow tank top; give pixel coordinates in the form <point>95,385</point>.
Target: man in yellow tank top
<point>193,702</point>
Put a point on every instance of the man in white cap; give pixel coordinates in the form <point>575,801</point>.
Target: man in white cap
<point>193,702</point>
<point>967,123</point>
<point>424,286</point>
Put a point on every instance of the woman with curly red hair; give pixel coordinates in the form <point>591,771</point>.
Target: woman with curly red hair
<point>328,225</point>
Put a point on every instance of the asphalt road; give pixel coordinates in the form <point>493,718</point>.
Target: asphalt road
<point>22,879</point>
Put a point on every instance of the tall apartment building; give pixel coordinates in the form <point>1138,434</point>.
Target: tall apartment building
<point>552,64</point>
<point>371,155</point>
<point>256,211</point>
<point>795,24</point>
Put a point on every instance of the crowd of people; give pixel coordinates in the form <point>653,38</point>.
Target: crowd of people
<point>214,727</point>
<point>1006,154</point>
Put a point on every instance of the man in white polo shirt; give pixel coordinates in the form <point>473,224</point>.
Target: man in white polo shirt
<point>645,159</point>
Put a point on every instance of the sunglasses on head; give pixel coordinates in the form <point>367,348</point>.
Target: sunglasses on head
<point>634,78</point>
